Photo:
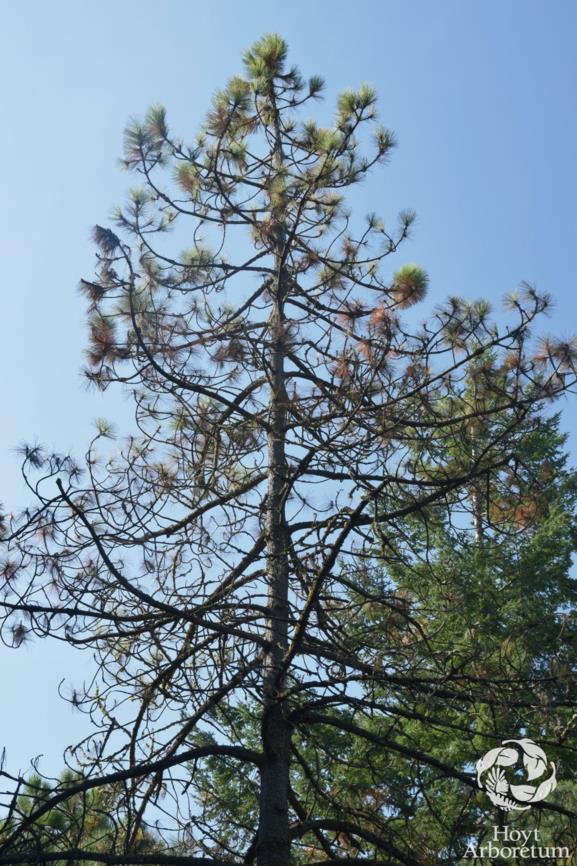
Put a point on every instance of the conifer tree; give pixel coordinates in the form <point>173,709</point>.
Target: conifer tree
<point>83,821</point>
<point>289,414</point>
<point>474,592</point>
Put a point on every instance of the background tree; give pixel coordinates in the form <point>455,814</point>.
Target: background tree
<point>83,821</point>
<point>289,416</point>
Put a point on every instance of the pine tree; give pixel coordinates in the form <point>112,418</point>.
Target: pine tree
<point>289,415</point>
<point>82,821</point>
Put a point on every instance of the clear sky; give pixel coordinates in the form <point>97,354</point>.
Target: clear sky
<point>481,93</point>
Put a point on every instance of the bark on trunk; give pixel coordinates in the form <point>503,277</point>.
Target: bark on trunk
<point>273,835</point>
<point>477,501</point>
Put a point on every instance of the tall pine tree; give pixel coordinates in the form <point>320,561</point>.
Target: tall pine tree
<point>289,416</point>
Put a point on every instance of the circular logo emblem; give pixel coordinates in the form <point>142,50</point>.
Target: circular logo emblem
<point>507,791</point>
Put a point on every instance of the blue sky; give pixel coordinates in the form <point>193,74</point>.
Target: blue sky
<point>482,95</point>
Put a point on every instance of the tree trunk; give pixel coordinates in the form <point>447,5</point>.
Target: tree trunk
<point>477,501</point>
<point>273,840</point>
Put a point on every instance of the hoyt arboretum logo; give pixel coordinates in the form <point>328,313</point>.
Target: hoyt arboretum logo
<point>491,775</point>
<point>514,776</point>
